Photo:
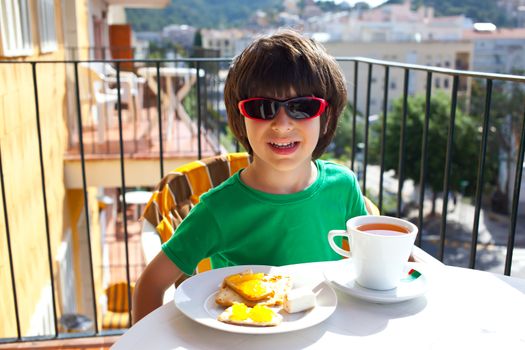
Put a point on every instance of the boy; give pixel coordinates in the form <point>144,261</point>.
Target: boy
<point>283,96</point>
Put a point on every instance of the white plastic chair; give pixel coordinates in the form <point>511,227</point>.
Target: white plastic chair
<point>104,104</point>
<point>132,86</point>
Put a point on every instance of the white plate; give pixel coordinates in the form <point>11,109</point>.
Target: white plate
<point>195,298</point>
<point>342,276</point>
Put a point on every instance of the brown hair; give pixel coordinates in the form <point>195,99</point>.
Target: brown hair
<point>277,63</point>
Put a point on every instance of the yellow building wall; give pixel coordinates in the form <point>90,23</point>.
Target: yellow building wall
<point>22,177</point>
<point>19,149</point>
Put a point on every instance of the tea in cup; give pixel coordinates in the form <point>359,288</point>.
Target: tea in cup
<point>379,247</point>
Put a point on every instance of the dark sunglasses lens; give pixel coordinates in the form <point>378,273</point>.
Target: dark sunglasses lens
<point>303,108</point>
<point>261,109</point>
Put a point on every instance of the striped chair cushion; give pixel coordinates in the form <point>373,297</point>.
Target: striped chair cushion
<point>181,189</point>
<point>115,320</point>
<point>117,315</point>
<point>117,295</point>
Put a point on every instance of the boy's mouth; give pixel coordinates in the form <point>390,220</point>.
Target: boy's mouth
<point>284,147</point>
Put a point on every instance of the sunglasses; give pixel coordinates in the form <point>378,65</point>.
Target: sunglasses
<point>300,108</point>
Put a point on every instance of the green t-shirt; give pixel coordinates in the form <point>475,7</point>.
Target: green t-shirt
<point>234,224</point>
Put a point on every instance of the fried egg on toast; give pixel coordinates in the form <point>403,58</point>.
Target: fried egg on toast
<point>252,289</point>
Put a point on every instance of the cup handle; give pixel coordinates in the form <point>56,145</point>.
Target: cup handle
<point>334,233</point>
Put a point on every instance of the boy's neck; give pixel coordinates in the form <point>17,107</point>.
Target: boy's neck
<point>265,178</point>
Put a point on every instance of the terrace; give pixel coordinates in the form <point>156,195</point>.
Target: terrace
<point>121,140</point>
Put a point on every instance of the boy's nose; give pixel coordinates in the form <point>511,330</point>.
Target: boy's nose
<point>282,122</point>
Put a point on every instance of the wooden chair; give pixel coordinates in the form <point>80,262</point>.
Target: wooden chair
<point>180,190</point>
<point>117,314</point>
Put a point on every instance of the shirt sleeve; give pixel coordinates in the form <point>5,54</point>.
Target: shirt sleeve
<point>196,238</point>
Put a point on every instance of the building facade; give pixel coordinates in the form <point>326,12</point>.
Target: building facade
<point>42,210</point>
<point>453,55</point>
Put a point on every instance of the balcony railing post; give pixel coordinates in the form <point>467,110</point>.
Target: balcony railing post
<point>481,173</point>
<point>84,191</point>
<point>367,125</point>
<point>354,117</point>
<point>515,199</point>
<point>199,115</point>
<point>424,151</point>
<point>123,190</point>
<point>9,252</point>
<point>159,116</point>
<point>448,161</point>
<point>217,102</point>
<point>383,136</point>
<point>401,165</point>
<point>44,197</point>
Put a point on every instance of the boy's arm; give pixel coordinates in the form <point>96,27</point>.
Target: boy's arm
<point>160,274</point>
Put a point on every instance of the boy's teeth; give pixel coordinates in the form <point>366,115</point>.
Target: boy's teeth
<point>282,145</point>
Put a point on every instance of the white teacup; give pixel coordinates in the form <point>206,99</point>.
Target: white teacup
<point>379,247</point>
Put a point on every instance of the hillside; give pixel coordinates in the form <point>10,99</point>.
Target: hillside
<point>200,13</point>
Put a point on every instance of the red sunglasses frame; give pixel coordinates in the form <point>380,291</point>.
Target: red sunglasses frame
<point>283,103</point>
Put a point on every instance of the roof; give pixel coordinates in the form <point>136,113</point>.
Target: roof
<point>501,33</point>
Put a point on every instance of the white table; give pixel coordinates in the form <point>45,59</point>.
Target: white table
<point>463,309</point>
<point>173,96</point>
<point>139,198</point>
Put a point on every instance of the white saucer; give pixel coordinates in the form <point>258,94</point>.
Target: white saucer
<point>342,276</point>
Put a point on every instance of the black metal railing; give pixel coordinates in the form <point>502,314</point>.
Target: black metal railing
<point>456,75</point>
<point>209,119</point>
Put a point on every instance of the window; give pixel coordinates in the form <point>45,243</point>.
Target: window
<point>15,30</point>
<point>46,25</point>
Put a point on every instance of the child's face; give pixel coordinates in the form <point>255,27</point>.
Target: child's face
<point>283,143</point>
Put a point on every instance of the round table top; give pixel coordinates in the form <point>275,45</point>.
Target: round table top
<point>462,309</point>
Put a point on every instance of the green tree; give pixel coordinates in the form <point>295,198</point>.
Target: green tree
<point>361,5</point>
<point>197,39</point>
<point>159,50</point>
<point>466,142</point>
<point>506,116</point>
